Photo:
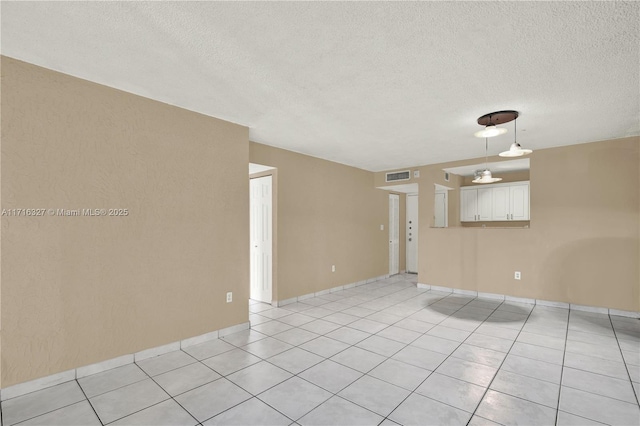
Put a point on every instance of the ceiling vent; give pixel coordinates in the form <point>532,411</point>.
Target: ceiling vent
<point>396,176</point>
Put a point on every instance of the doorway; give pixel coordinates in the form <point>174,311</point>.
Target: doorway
<point>261,232</point>
<point>412,233</point>
<point>440,209</point>
<point>394,234</point>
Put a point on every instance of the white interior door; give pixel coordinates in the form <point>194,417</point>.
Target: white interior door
<point>412,233</point>
<point>394,234</point>
<point>440,210</point>
<point>261,239</point>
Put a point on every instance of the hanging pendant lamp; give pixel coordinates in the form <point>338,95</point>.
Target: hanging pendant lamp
<point>485,175</point>
<point>515,150</point>
<point>490,131</point>
<point>491,122</point>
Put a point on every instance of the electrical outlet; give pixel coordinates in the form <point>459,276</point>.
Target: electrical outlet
<point>516,275</point>
<point>382,227</point>
<point>333,268</point>
<point>229,297</point>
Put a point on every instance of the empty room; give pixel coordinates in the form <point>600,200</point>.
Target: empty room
<point>320,213</point>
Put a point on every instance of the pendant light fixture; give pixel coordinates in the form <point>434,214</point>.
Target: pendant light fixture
<point>485,175</point>
<point>491,121</point>
<point>490,131</point>
<point>515,150</point>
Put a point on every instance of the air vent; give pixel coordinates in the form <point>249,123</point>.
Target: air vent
<point>396,176</point>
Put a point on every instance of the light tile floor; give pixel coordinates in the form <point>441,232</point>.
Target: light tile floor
<point>383,353</point>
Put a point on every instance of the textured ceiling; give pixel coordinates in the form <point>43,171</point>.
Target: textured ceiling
<point>373,85</point>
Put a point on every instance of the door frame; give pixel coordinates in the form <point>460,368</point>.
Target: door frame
<point>259,275</point>
<point>446,206</point>
<point>415,234</point>
<point>396,225</point>
<point>273,172</point>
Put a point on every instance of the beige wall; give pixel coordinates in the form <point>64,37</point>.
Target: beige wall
<point>328,214</point>
<point>79,290</point>
<point>583,243</point>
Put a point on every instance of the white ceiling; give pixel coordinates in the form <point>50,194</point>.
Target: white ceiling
<point>378,86</point>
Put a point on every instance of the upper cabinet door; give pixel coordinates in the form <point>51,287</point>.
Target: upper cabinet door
<point>519,201</point>
<point>501,208</point>
<point>485,206</point>
<point>468,206</point>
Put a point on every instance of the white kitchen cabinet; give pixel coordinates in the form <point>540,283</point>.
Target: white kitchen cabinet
<point>500,208</point>
<point>475,204</point>
<point>519,201</point>
<point>499,202</point>
<point>468,205</point>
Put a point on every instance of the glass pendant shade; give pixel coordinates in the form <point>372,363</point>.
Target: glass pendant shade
<point>515,151</point>
<point>485,177</point>
<point>490,131</point>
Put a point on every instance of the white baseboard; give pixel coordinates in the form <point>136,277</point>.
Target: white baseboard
<point>158,350</point>
<point>519,300</point>
<point>87,370</point>
<point>234,329</point>
<point>628,314</point>
<point>465,292</point>
<point>199,339</point>
<point>280,303</point>
<point>547,303</point>
<point>37,384</point>
<point>552,304</point>
<point>104,366</point>
<point>441,289</point>
<point>306,296</point>
<point>492,296</point>
<point>586,308</point>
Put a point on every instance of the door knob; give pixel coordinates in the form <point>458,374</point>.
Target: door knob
<point>409,239</point>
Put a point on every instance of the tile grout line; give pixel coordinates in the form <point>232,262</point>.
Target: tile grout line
<point>388,357</point>
<point>447,357</point>
<point>163,389</point>
<point>624,361</point>
<point>329,359</point>
<point>50,411</point>
<point>294,375</point>
<point>501,364</point>
<point>564,354</point>
<point>88,401</point>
